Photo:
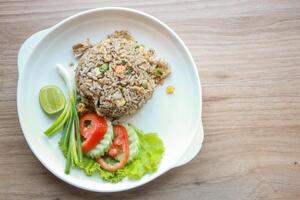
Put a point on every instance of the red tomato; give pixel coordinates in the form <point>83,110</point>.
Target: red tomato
<point>92,127</point>
<point>120,145</point>
<point>113,152</point>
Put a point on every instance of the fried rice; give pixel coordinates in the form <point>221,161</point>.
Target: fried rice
<point>117,76</point>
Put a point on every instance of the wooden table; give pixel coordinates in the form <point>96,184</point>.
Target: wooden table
<point>248,56</point>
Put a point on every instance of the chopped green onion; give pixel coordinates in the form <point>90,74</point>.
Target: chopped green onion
<point>59,122</point>
<point>70,142</point>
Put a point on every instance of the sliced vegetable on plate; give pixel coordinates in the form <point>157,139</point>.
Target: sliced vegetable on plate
<point>91,143</point>
<point>70,142</point>
<point>118,152</point>
<point>93,129</point>
<point>52,99</point>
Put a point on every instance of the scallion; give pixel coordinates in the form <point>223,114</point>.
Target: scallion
<point>70,142</point>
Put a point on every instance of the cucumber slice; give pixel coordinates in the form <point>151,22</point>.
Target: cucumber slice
<point>103,145</point>
<point>134,143</point>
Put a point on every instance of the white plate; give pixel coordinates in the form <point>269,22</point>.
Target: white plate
<point>177,117</point>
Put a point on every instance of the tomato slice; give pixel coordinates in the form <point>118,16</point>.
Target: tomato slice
<point>119,147</point>
<point>92,128</point>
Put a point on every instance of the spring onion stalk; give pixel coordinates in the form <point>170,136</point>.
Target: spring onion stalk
<point>59,122</point>
<point>70,142</point>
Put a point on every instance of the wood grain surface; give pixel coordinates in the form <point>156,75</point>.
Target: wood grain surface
<point>248,56</point>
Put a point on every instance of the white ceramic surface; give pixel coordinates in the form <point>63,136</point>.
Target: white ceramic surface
<point>177,117</point>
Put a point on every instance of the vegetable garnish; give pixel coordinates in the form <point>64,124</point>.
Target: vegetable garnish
<point>92,128</point>
<point>119,150</point>
<point>102,147</point>
<point>70,142</point>
<point>52,99</point>
<point>134,142</point>
<point>149,155</point>
<point>114,152</point>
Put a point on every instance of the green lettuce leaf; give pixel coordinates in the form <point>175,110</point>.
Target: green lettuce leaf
<point>147,160</point>
<point>89,166</point>
<point>149,156</point>
<point>113,177</point>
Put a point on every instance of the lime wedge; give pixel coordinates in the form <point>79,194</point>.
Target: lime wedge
<point>52,99</point>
